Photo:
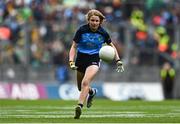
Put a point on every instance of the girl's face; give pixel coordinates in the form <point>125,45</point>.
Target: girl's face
<point>94,22</point>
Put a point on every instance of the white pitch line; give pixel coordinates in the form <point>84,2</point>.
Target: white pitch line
<point>85,115</point>
<point>68,112</point>
<point>71,116</point>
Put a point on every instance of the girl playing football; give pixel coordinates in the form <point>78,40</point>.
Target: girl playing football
<point>87,42</point>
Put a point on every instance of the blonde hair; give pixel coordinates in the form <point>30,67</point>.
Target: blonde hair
<point>94,12</point>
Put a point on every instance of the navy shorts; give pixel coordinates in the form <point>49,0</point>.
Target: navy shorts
<point>84,60</point>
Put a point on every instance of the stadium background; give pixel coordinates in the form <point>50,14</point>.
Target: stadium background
<point>35,37</point>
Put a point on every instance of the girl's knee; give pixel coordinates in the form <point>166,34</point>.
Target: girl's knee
<point>85,84</point>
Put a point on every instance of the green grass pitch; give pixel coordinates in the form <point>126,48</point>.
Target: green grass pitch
<point>103,111</point>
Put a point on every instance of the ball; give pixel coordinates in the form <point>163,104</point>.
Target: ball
<point>107,53</point>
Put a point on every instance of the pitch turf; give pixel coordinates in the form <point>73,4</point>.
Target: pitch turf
<point>103,111</point>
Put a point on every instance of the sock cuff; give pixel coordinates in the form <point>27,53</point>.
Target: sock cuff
<point>91,91</point>
<point>81,105</point>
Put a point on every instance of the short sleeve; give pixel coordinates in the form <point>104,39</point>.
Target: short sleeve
<point>107,38</point>
<point>77,35</point>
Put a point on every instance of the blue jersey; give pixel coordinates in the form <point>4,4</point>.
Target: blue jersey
<point>90,42</point>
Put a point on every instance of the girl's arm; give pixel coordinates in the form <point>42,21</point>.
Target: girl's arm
<point>116,55</point>
<point>72,52</point>
<point>119,63</point>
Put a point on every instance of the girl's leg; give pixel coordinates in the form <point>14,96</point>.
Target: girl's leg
<point>90,73</point>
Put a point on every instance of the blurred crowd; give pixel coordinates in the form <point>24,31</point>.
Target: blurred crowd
<point>39,32</point>
<point>155,32</point>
